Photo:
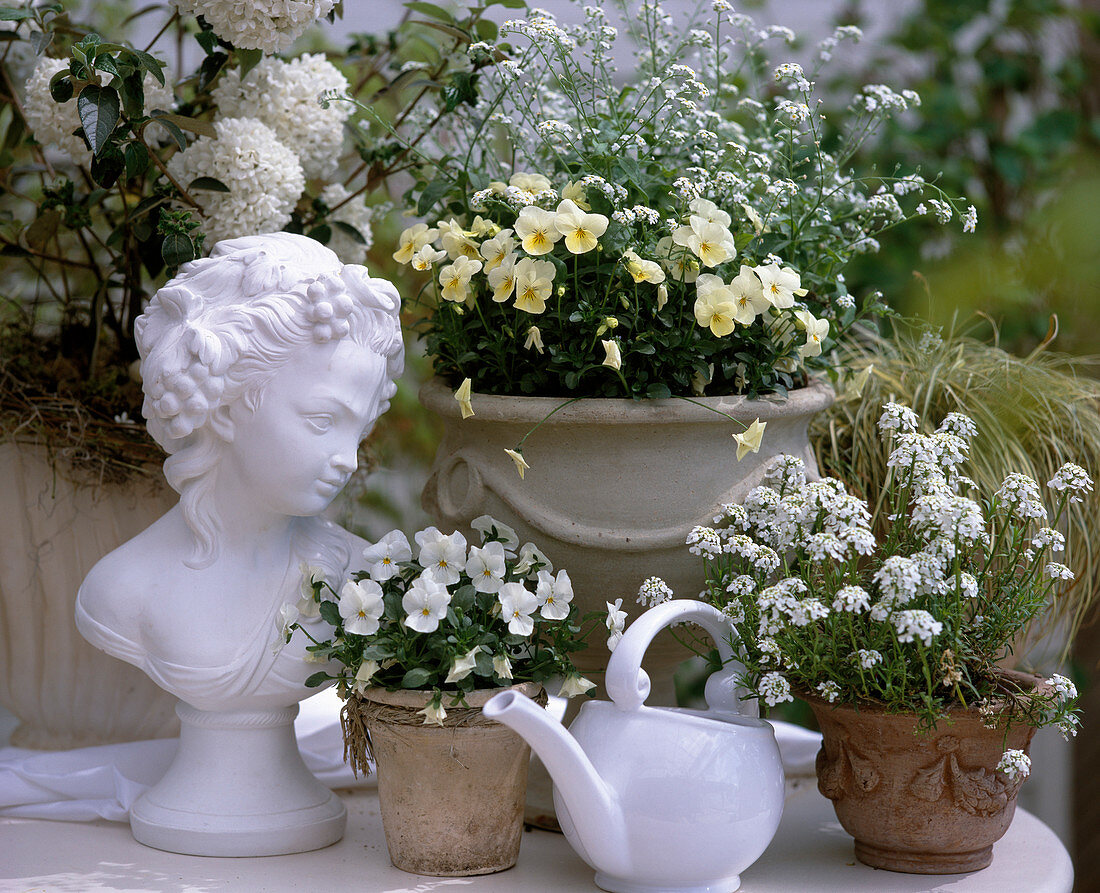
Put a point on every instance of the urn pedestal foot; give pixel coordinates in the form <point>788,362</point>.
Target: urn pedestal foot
<point>238,787</point>
<point>622,885</point>
<point>924,863</point>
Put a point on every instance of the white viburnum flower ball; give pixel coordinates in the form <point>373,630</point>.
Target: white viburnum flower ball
<point>284,96</point>
<point>264,178</point>
<point>355,214</point>
<point>53,123</point>
<point>268,25</point>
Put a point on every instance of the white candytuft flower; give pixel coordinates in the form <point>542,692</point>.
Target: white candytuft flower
<point>356,214</point>
<point>830,691</point>
<point>774,689</point>
<point>1072,478</point>
<point>264,179</point>
<point>654,591</point>
<point>867,658</point>
<point>916,624</point>
<point>1015,764</point>
<point>1063,687</point>
<point>268,25</point>
<point>853,599</point>
<point>284,96</point>
<point>896,417</point>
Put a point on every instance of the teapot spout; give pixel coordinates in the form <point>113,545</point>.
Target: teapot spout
<point>593,809</point>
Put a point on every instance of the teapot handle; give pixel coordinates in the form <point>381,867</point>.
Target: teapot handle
<point>628,684</point>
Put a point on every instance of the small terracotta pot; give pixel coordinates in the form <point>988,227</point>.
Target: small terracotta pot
<point>452,797</point>
<point>923,803</point>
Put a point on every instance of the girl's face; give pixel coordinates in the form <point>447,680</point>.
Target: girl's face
<point>296,451</point>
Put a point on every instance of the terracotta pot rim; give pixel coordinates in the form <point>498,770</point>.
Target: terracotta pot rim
<point>419,699</point>
<point>438,397</point>
<point>876,707</point>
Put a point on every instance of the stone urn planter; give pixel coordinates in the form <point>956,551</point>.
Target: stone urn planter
<point>451,796</point>
<point>614,485</point>
<point>930,803</point>
<point>64,692</point>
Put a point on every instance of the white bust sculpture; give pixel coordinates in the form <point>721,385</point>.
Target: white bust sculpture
<point>263,366</point>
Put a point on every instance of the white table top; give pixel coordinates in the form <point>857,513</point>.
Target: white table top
<point>810,853</point>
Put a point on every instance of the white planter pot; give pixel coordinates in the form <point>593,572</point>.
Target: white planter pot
<point>614,486</point>
<point>64,692</point>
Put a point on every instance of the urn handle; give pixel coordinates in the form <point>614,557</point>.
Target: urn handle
<point>628,684</point>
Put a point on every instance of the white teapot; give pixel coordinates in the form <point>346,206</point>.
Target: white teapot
<point>659,798</point>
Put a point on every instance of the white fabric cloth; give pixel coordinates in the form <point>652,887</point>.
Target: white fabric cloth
<point>92,783</point>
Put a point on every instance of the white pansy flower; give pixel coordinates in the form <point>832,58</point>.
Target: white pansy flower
<point>715,305</point>
<point>534,340</point>
<point>463,666</point>
<point>712,243</point>
<point>749,440</point>
<point>454,279</point>
<point>463,397</point>
<point>678,260</point>
<point>817,330</point>
<point>781,285</point>
<point>642,270</point>
<point>530,557</point>
<point>533,284</point>
<point>517,604</point>
<point>533,183</point>
<point>502,666</point>
<point>576,193</point>
<point>458,242</point>
<point>709,211</point>
<point>486,567</point>
<point>384,556</point>
<point>502,279</point>
<point>537,230</point>
<point>612,356</point>
<point>495,250</point>
<point>412,240</point>
<point>426,257</point>
<point>615,623</point>
<point>581,230</point>
<point>285,619</point>
<point>361,607</point>
<point>433,714</point>
<point>554,594</point>
<point>425,604</point>
<point>517,459</point>
<point>748,296</point>
<point>442,557</point>
<point>575,685</point>
<point>488,526</point>
<point>365,674</point>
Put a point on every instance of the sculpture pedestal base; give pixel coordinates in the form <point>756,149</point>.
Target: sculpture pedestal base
<point>238,787</point>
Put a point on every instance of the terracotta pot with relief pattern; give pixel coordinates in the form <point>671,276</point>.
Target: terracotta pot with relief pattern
<point>924,803</point>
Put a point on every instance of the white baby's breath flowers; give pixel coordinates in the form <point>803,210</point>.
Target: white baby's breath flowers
<point>1015,764</point>
<point>268,25</point>
<point>263,176</point>
<point>285,97</point>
